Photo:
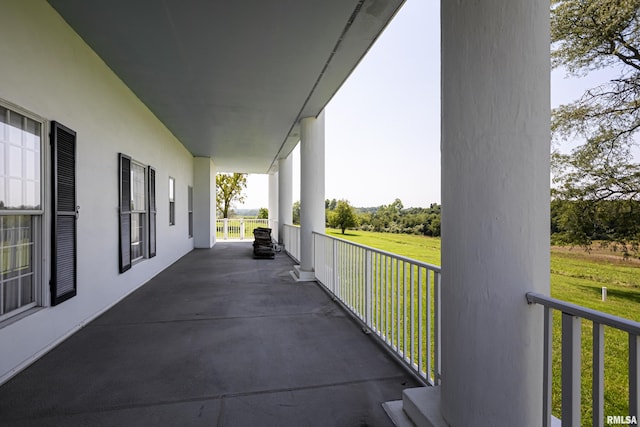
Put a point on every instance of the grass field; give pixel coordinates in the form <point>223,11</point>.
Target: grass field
<point>577,276</point>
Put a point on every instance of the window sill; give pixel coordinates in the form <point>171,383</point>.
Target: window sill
<point>13,319</point>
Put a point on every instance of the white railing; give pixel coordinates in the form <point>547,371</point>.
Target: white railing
<point>238,229</point>
<point>571,374</point>
<point>291,240</point>
<point>397,298</point>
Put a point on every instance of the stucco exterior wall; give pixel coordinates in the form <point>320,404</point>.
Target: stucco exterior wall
<point>47,69</point>
<point>495,209</point>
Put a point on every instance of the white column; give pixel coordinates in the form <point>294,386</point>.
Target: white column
<point>285,195</point>
<point>311,190</point>
<point>204,202</point>
<point>495,209</point>
<point>273,205</point>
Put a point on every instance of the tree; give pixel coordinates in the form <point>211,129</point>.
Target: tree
<point>343,216</point>
<point>263,213</point>
<point>229,189</point>
<point>588,35</point>
<point>296,212</point>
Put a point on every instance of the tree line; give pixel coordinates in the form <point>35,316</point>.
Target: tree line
<point>391,218</point>
<point>581,222</point>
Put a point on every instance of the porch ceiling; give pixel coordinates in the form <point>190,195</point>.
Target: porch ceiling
<point>229,78</point>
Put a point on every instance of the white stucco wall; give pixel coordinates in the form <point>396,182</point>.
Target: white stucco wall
<point>47,69</point>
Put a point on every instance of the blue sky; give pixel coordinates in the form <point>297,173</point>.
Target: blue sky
<point>382,128</point>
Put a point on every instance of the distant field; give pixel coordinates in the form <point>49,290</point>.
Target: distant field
<point>577,276</point>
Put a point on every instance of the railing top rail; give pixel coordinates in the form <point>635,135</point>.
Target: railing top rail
<point>380,251</point>
<point>623,324</point>
<point>291,225</point>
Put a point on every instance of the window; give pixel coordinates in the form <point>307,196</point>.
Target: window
<point>137,212</point>
<point>190,209</point>
<point>172,201</point>
<point>20,210</point>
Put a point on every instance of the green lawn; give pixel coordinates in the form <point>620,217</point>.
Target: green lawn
<point>576,276</point>
<point>421,248</point>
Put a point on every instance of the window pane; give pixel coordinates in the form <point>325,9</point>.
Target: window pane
<point>32,135</point>
<point>31,161</point>
<point>15,194</point>
<point>171,189</point>
<point>16,261</point>
<point>26,291</point>
<point>138,190</point>
<point>15,127</point>
<point>20,168</point>
<point>137,236</point>
<point>2,155</point>
<point>32,195</point>
<point>4,263</point>
<point>11,295</point>
<point>15,161</point>
<point>3,121</point>
<point>3,196</point>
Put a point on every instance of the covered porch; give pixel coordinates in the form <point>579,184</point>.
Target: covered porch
<point>218,338</point>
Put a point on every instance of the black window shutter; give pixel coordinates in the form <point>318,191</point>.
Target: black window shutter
<point>124,177</point>
<point>152,211</point>
<point>64,242</point>
<point>190,209</point>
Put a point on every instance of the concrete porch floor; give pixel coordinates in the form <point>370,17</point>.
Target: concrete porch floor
<point>217,339</point>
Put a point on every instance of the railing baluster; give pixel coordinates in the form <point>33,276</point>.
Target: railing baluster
<point>398,281</point>
<point>634,375</point>
<point>355,265</point>
<point>413,317</point>
<point>358,282</point>
<point>378,269</point>
<point>356,279</point>
<point>420,331</point>
<point>336,281</point>
<point>404,310</point>
<point>437,325</point>
<point>368,284</point>
<point>351,267</point>
<point>597,387</point>
<point>386,300</point>
<point>392,303</point>
<point>547,377</point>
<point>571,339</point>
